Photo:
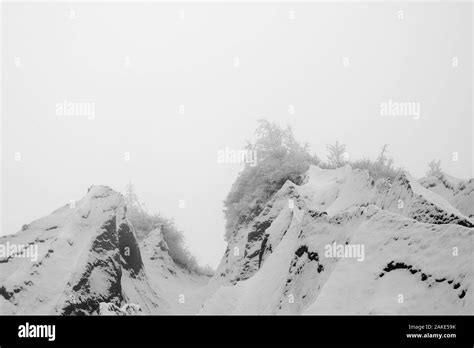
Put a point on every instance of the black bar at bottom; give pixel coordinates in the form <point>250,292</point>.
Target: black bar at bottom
<point>224,330</point>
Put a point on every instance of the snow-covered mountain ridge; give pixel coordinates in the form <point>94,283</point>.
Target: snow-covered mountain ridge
<point>417,246</point>
<point>87,256</point>
<point>340,243</point>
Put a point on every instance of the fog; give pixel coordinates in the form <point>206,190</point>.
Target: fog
<point>164,87</point>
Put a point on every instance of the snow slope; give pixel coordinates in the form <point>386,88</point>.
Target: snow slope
<point>88,257</point>
<point>415,243</point>
<point>183,291</point>
<point>460,193</point>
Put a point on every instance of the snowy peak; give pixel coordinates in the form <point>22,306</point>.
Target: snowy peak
<point>335,190</point>
<point>87,253</point>
<point>345,243</point>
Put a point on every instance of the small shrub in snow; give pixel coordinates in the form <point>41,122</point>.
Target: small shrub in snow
<point>381,168</point>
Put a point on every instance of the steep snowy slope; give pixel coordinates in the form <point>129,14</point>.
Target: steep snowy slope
<point>409,198</point>
<point>88,261</point>
<point>87,254</point>
<point>396,239</point>
<point>443,184</point>
<point>460,193</point>
<point>183,291</point>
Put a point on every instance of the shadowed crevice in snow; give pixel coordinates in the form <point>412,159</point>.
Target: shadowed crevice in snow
<point>6,294</point>
<point>266,232</point>
<point>129,249</point>
<point>263,248</point>
<point>424,276</point>
<point>258,231</point>
<point>312,256</point>
<point>107,240</point>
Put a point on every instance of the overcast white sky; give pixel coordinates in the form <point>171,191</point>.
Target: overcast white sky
<point>139,62</point>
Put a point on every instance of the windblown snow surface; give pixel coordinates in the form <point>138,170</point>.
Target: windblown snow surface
<point>415,243</point>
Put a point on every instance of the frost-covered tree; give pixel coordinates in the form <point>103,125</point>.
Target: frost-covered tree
<point>336,155</point>
<point>383,161</point>
<point>435,168</point>
<point>280,157</point>
<point>132,202</point>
